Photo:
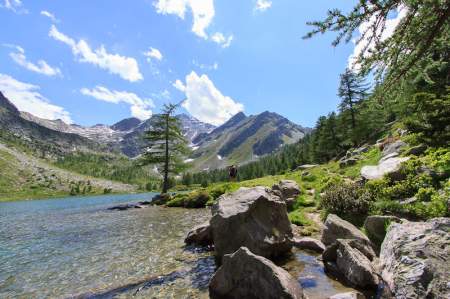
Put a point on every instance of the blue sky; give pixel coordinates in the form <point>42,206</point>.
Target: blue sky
<point>100,61</point>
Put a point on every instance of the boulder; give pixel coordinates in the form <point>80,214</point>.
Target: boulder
<point>200,235</point>
<point>344,162</point>
<point>252,217</point>
<point>246,275</point>
<point>306,166</point>
<point>415,259</point>
<point>389,166</point>
<point>330,253</point>
<point>395,146</point>
<point>376,226</point>
<point>287,190</point>
<point>348,295</point>
<point>309,243</point>
<point>353,265</point>
<point>337,228</point>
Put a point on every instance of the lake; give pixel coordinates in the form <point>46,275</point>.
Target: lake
<point>75,247</point>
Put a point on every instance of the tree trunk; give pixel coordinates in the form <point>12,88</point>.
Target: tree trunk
<point>166,162</point>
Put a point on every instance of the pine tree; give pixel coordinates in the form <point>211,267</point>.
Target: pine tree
<point>166,146</point>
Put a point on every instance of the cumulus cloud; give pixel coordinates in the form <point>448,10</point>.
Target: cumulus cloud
<point>125,67</point>
<point>140,108</point>
<point>27,98</point>
<point>153,53</point>
<point>205,102</point>
<point>365,44</point>
<point>209,67</point>
<point>202,12</point>
<point>220,39</point>
<point>14,5</point>
<point>41,67</point>
<point>263,5</point>
<point>50,16</point>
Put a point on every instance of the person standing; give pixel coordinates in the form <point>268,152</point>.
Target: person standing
<point>232,172</point>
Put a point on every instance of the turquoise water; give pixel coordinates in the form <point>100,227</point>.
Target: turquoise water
<point>75,247</point>
<point>66,247</point>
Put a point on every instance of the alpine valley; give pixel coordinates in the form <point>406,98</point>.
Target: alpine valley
<point>50,157</point>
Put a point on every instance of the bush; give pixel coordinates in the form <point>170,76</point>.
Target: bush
<point>425,194</point>
<point>196,199</point>
<point>177,201</point>
<point>347,200</point>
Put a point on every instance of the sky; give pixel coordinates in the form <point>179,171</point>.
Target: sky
<point>90,62</point>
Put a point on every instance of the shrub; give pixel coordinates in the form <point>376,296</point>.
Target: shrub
<point>177,200</point>
<point>425,194</point>
<point>197,199</point>
<point>348,201</point>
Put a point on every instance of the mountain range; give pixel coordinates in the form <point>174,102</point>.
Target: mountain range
<point>240,140</point>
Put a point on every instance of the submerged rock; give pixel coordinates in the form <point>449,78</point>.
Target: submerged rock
<point>415,259</point>
<point>252,217</point>
<point>127,206</point>
<point>246,275</point>
<point>337,228</point>
<point>200,235</point>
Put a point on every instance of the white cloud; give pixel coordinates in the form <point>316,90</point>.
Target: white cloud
<point>153,53</point>
<point>27,98</point>
<point>50,16</point>
<point>202,12</point>
<point>14,5</point>
<point>40,67</point>
<point>125,67</point>
<point>263,5</point>
<point>209,67</point>
<point>205,102</point>
<point>220,39</point>
<point>140,108</point>
<point>390,26</point>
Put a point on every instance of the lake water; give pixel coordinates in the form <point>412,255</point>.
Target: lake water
<point>75,247</point>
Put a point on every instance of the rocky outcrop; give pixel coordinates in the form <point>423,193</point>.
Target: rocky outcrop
<point>388,165</point>
<point>288,190</point>
<point>337,228</point>
<point>344,162</point>
<point>200,235</point>
<point>252,217</point>
<point>309,243</point>
<point>377,225</point>
<point>415,259</point>
<point>351,258</point>
<point>246,275</point>
<point>394,147</point>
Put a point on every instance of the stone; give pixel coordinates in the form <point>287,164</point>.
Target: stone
<point>306,166</point>
<point>415,259</point>
<point>330,253</point>
<point>124,207</point>
<point>200,235</point>
<point>160,199</point>
<point>246,275</point>
<point>309,243</point>
<point>390,166</point>
<point>348,295</point>
<point>395,146</point>
<point>337,228</point>
<point>348,162</point>
<point>287,188</point>
<point>417,150</point>
<point>355,266</point>
<point>252,217</point>
<point>376,226</point>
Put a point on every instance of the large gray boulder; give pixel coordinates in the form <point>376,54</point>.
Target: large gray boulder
<point>390,165</point>
<point>377,225</point>
<point>351,259</point>
<point>246,275</point>
<point>337,228</point>
<point>309,244</point>
<point>394,147</point>
<point>288,190</point>
<point>252,217</point>
<point>200,235</point>
<point>415,259</point>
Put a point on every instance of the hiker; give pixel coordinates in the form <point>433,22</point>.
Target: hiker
<point>232,172</point>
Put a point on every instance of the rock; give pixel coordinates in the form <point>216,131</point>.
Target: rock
<point>305,173</point>
<point>348,162</point>
<point>160,199</point>
<point>311,192</point>
<point>330,253</point>
<point>306,166</point>
<point>251,217</point>
<point>389,166</point>
<point>348,295</point>
<point>376,226</point>
<point>408,201</point>
<point>246,275</point>
<point>395,146</point>
<point>289,191</point>
<point>124,207</point>
<point>417,150</point>
<point>355,266</point>
<point>337,228</point>
<point>415,259</point>
<point>200,235</point>
<point>309,243</point>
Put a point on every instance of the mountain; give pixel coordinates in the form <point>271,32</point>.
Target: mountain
<point>127,124</point>
<point>243,139</point>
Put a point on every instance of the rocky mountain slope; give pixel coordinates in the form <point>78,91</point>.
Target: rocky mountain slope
<point>244,138</point>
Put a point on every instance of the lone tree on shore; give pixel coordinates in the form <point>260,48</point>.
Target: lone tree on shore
<point>166,146</point>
